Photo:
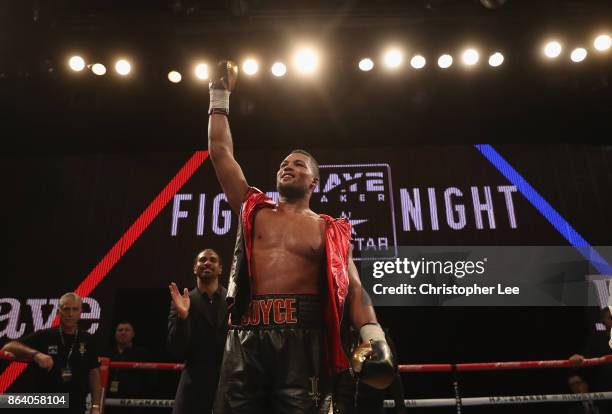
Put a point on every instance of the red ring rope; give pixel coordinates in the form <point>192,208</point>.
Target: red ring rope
<point>477,366</point>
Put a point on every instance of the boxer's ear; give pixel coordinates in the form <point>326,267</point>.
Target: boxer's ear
<point>315,182</point>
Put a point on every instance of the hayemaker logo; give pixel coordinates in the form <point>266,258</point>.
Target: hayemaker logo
<point>362,194</point>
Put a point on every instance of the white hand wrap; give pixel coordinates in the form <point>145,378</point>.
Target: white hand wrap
<point>219,99</point>
<point>371,332</point>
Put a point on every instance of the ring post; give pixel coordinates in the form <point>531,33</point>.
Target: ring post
<point>104,374</point>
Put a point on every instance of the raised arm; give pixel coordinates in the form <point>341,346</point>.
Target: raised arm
<point>220,144</point>
<point>229,173</point>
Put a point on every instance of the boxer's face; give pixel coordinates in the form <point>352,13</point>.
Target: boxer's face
<point>295,177</point>
<point>207,264</point>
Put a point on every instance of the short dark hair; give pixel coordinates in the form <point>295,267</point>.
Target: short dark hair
<point>313,162</point>
<point>124,322</point>
<point>209,249</point>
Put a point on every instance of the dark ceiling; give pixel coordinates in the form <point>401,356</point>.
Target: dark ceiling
<point>46,108</point>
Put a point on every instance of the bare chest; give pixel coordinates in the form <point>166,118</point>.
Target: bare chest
<point>297,234</point>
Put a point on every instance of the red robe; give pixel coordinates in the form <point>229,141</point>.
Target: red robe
<point>337,244</point>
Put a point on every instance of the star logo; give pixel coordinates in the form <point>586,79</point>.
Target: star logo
<point>353,222</point>
<point>362,195</point>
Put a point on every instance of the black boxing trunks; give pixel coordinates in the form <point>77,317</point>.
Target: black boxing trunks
<point>273,359</point>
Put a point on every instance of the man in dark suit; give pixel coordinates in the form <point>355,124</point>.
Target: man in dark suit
<point>197,327</point>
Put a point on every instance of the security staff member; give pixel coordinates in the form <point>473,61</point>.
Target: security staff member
<point>65,356</point>
<point>128,383</point>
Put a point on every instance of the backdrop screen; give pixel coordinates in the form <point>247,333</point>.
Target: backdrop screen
<point>65,213</point>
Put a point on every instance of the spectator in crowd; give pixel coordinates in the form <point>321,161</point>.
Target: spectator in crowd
<point>128,383</point>
<point>578,385</point>
<point>597,345</point>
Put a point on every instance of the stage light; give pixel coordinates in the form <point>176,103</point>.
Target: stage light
<point>418,62</point>
<point>306,61</point>
<point>76,63</point>
<point>279,69</point>
<point>578,54</point>
<point>552,49</point>
<point>445,61</point>
<point>366,64</point>
<point>174,76</point>
<point>123,67</point>
<point>393,58</point>
<point>201,71</point>
<point>250,67</point>
<point>602,42</point>
<point>470,57</point>
<point>98,69</point>
<point>492,4</point>
<point>496,59</point>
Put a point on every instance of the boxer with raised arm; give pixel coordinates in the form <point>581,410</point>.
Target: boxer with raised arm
<point>291,277</point>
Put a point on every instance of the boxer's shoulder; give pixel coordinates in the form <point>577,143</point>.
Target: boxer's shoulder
<point>341,221</point>
<point>254,194</point>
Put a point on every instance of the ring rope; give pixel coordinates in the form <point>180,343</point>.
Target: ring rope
<point>435,402</point>
<point>495,366</point>
<point>423,403</point>
<point>504,400</point>
<point>465,367</point>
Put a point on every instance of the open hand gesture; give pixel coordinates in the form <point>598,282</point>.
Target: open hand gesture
<point>181,302</point>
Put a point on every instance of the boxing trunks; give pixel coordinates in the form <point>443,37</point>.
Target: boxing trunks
<point>273,359</point>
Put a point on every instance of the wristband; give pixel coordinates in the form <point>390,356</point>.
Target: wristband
<point>219,101</point>
<point>220,111</point>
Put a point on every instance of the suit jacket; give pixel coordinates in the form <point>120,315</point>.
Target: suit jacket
<point>579,408</point>
<point>199,341</point>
